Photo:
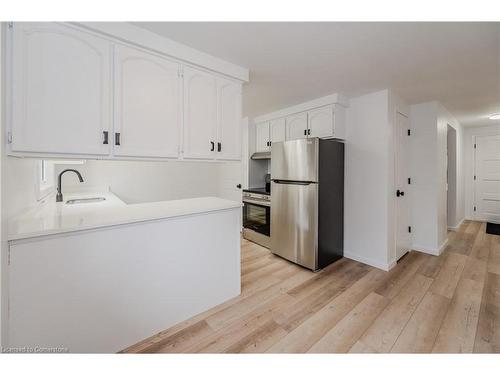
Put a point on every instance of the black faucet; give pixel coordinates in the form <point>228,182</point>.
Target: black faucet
<point>59,196</point>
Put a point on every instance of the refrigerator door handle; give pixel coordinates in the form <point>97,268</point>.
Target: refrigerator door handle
<point>291,182</point>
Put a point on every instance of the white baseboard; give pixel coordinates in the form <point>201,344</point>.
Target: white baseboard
<point>371,262</point>
<point>455,228</point>
<point>431,250</point>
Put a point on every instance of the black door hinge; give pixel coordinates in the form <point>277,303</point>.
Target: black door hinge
<point>409,180</point>
<point>409,132</point>
<point>409,229</point>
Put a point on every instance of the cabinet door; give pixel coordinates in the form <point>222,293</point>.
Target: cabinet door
<point>61,90</point>
<point>262,137</point>
<point>278,130</point>
<point>147,104</point>
<point>296,126</point>
<point>200,114</point>
<point>229,127</point>
<point>320,122</point>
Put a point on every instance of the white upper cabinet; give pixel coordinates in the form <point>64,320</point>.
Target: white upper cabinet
<point>61,90</point>
<point>262,137</point>
<point>296,126</point>
<point>200,114</point>
<point>229,124</point>
<point>147,104</point>
<point>278,130</point>
<point>320,122</point>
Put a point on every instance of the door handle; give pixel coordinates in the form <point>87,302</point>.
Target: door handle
<point>400,193</point>
<point>213,145</point>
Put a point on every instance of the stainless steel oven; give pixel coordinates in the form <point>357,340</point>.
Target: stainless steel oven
<point>257,216</point>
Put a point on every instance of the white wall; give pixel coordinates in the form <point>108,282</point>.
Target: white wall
<point>368,161</point>
<point>469,133</point>
<point>429,122</point>
<point>3,242</point>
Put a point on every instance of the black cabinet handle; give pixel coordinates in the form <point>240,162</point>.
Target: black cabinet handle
<point>219,147</point>
<point>238,186</point>
<point>213,146</point>
<point>105,140</point>
<point>305,131</point>
<point>400,193</point>
<point>117,139</point>
<point>308,131</point>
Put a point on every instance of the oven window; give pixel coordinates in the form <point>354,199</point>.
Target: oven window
<point>257,218</point>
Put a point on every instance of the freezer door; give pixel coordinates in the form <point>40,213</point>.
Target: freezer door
<point>294,222</point>
<point>295,160</point>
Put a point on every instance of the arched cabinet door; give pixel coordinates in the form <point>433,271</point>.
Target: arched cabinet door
<point>147,104</point>
<point>229,127</point>
<point>321,122</point>
<point>296,126</point>
<point>61,90</point>
<point>200,114</point>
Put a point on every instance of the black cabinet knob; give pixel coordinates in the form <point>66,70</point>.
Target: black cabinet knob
<point>238,186</point>
<point>400,193</point>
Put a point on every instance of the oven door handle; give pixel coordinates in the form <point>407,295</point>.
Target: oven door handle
<point>258,203</point>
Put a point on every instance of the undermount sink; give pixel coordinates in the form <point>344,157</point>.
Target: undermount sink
<point>85,200</point>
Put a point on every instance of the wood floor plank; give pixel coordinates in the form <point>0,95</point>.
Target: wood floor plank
<point>475,269</point>
<point>310,331</point>
<point>459,327</point>
<point>259,340</point>
<point>447,279</point>
<point>385,330</point>
<point>420,333</point>
<point>345,334</point>
<point>488,329</point>
<point>400,275</point>
<point>494,258</point>
<point>361,348</point>
<point>461,243</point>
<point>432,265</point>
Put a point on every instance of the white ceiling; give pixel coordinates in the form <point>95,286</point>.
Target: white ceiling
<point>457,64</point>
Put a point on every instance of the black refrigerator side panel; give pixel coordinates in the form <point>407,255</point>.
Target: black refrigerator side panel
<point>331,202</point>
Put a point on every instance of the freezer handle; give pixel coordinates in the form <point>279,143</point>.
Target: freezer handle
<point>292,182</point>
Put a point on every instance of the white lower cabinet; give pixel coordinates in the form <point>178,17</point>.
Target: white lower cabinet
<point>61,90</point>
<point>61,99</point>
<point>262,137</point>
<point>296,126</point>
<point>147,104</point>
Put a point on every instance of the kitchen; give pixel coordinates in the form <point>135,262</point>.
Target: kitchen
<point>153,201</point>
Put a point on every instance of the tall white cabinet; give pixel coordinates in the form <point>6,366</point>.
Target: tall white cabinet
<point>61,90</point>
<point>200,114</point>
<point>77,93</point>
<point>148,110</point>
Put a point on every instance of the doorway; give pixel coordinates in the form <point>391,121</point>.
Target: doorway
<point>451,177</point>
<point>487,178</point>
<point>403,199</point>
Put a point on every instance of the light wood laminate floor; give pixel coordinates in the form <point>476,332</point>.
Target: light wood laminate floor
<point>425,304</point>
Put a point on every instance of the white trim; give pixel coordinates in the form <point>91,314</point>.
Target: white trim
<point>138,36</point>
<point>337,99</point>
<point>456,227</point>
<point>429,250</point>
<point>370,262</point>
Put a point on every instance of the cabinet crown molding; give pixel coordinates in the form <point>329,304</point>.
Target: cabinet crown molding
<point>336,99</point>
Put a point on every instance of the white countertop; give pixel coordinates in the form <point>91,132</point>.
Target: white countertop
<point>54,218</point>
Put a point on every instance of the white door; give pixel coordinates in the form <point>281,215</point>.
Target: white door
<point>229,127</point>
<point>262,137</point>
<point>61,90</point>
<point>147,104</point>
<point>200,114</point>
<point>278,129</point>
<point>487,183</point>
<point>321,122</point>
<point>402,164</point>
<point>296,126</point>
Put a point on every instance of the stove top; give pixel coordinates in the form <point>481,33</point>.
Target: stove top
<point>257,191</point>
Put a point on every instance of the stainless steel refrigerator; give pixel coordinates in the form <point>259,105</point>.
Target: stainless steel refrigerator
<point>307,201</point>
